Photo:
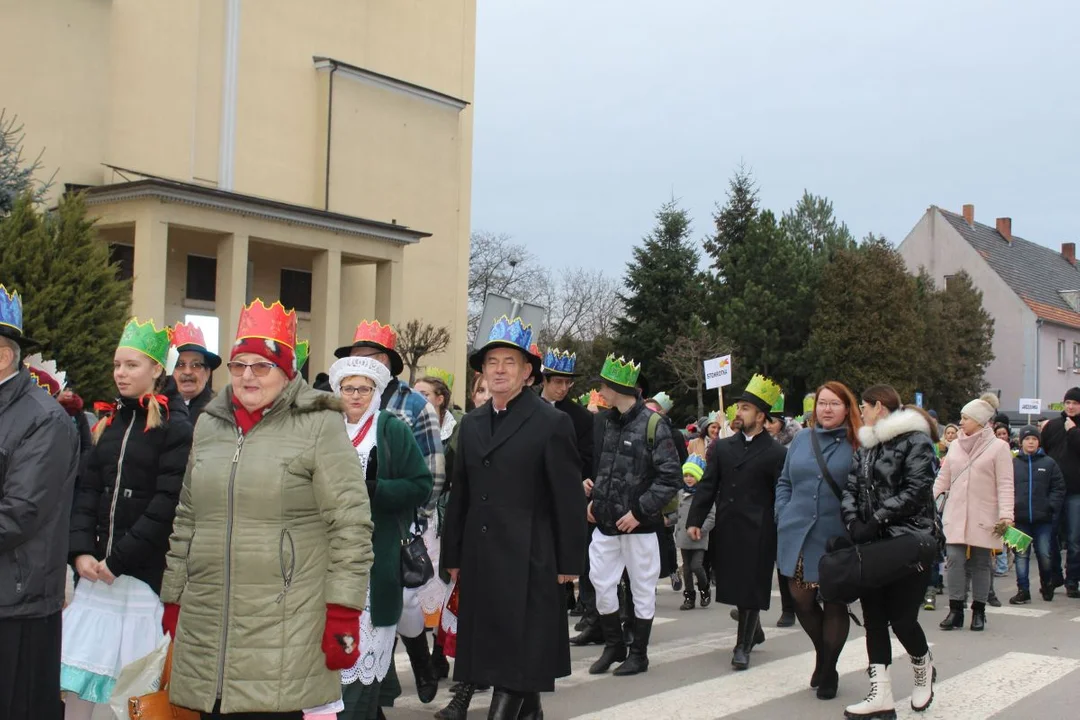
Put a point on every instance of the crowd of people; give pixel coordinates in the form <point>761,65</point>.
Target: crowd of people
<point>286,537</point>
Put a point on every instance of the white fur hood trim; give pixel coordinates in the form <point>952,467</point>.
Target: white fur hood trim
<point>896,424</point>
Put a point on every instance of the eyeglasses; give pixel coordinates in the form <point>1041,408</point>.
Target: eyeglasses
<point>258,369</point>
<point>362,390</point>
<point>835,404</point>
<point>181,365</point>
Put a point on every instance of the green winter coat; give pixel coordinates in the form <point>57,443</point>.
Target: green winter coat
<point>404,483</point>
<point>269,530</point>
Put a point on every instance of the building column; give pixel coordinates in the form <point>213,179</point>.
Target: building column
<point>389,278</point>
<point>325,310</point>
<point>230,295</point>
<point>150,268</point>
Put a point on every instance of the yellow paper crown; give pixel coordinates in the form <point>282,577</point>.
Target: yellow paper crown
<point>764,388</point>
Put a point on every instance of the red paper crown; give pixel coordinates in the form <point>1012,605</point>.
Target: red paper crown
<point>269,323</point>
<point>376,332</point>
<point>188,334</point>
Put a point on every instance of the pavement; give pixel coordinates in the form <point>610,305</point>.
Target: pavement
<point>1026,664</point>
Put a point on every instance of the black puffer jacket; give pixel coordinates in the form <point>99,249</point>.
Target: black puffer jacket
<point>1039,487</point>
<point>892,476</point>
<point>126,499</point>
<point>629,479</point>
<point>1064,447</point>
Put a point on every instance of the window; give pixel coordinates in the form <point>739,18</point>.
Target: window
<point>123,257</point>
<point>1076,357</point>
<point>948,280</point>
<point>296,290</point>
<point>1061,355</point>
<point>201,278</point>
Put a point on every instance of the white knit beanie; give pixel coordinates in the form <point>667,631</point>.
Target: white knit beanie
<point>367,367</point>
<point>983,409</point>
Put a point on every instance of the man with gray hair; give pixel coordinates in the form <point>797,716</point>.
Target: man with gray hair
<point>39,454</point>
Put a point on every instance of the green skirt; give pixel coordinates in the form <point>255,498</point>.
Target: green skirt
<point>362,702</point>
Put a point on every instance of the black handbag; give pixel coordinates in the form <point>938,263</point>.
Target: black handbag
<point>847,570</point>
<point>416,566</point>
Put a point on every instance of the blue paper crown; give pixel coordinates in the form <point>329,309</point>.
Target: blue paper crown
<point>511,332</point>
<point>559,361</point>
<point>696,460</point>
<point>11,313</point>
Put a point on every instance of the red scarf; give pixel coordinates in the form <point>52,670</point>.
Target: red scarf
<point>110,409</point>
<point>363,432</point>
<point>246,419</point>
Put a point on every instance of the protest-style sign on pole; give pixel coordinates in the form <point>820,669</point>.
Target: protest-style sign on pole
<point>1029,407</point>
<point>718,375</point>
<point>495,306</point>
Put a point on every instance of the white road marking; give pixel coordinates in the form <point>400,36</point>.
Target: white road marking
<point>1016,611</point>
<point>988,689</point>
<point>735,692</point>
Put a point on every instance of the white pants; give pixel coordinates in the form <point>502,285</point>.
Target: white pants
<point>639,555</point>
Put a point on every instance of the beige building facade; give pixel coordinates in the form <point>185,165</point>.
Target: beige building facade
<point>316,152</point>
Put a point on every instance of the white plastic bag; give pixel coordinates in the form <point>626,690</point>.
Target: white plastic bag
<point>141,677</point>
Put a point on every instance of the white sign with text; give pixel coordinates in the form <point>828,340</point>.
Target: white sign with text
<point>1030,406</point>
<point>718,372</point>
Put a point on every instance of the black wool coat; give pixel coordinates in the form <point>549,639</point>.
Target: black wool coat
<point>514,523</point>
<point>583,433</point>
<point>740,480</point>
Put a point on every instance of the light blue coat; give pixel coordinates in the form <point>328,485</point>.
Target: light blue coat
<point>807,510</point>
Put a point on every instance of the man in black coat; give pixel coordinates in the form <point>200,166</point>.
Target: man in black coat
<point>1061,441</point>
<point>39,456</point>
<point>740,479</point>
<point>191,374</point>
<point>514,532</point>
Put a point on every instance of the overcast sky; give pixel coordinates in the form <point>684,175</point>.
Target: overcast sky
<point>591,113</point>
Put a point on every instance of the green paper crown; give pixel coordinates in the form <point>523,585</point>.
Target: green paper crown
<point>778,406</point>
<point>440,374</point>
<point>147,339</point>
<point>730,413</point>
<point>765,389</point>
<point>584,400</point>
<point>621,371</point>
<point>1016,539</point>
<point>808,404</point>
<point>303,350</point>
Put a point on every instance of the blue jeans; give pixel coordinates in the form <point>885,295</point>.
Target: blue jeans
<point>1070,530</point>
<point>1040,539</point>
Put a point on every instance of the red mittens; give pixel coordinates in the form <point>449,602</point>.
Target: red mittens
<point>170,618</point>
<point>341,638</point>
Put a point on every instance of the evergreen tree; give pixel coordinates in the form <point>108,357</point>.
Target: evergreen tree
<point>868,325</point>
<point>16,174</point>
<point>73,302</point>
<point>812,223</point>
<point>663,290</point>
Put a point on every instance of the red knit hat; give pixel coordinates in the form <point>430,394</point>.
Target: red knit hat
<point>278,353</point>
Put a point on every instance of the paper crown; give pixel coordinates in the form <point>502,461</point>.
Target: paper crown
<point>713,417</point>
<point>188,334</point>
<point>440,374</point>
<point>512,332</point>
<point>730,413</point>
<point>664,401</point>
<point>596,399</point>
<point>1016,539</point>
<point>46,374</point>
<point>583,399</point>
<point>377,333</point>
<point>11,311</point>
<point>778,405</point>
<point>559,362</point>
<point>620,371</point>
<point>303,350</point>
<point>808,403</point>
<point>147,339</point>
<point>694,466</point>
<point>765,390</point>
<point>268,323</point>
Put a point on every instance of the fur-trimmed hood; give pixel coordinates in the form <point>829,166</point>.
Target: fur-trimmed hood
<point>893,426</point>
<point>298,397</point>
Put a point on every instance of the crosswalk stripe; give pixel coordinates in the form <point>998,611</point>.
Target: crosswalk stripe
<point>1017,611</point>
<point>1075,619</point>
<point>736,692</point>
<point>1012,677</point>
<point>659,654</point>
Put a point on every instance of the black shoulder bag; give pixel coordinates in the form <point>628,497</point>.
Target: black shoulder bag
<point>847,570</point>
<point>416,566</point>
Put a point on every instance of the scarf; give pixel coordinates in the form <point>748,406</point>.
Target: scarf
<point>970,442</point>
<point>447,428</point>
<point>245,419</point>
<point>368,443</point>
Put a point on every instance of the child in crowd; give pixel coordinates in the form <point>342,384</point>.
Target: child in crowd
<point>1040,494</point>
<point>693,551</point>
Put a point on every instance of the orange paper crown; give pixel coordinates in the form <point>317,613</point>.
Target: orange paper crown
<point>188,334</point>
<point>269,323</point>
<point>376,332</point>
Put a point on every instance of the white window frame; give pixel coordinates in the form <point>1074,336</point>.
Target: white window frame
<point>1061,354</point>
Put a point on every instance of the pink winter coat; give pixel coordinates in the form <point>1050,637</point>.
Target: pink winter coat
<point>978,475</point>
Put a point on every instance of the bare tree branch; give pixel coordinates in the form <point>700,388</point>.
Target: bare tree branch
<point>687,354</point>
<point>416,341</point>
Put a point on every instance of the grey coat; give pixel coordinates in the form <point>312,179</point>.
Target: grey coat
<point>807,510</point>
<point>682,540</point>
<point>39,457</point>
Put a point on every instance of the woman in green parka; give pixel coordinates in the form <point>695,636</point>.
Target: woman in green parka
<point>271,548</point>
<point>398,481</point>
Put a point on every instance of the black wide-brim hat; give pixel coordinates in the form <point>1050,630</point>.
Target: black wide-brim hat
<point>212,361</point>
<point>15,335</point>
<point>397,365</point>
<point>756,402</point>
<point>476,360</point>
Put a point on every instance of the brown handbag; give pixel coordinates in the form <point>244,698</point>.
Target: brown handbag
<point>156,705</point>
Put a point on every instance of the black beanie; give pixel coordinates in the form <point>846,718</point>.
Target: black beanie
<point>1073,394</point>
<point>1028,431</point>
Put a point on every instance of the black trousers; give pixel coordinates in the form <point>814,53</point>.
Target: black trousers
<point>217,714</point>
<point>669,557</point>
<point>586,591</point>
<point>30,668</point>
<point>896,605</point>
<point>787,604</point>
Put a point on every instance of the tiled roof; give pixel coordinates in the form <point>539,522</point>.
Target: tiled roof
<point>1035,273</point>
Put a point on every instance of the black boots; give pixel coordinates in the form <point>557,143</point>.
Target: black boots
<point>505,705</point>
<point>638,660</point>
<point>750,634</point>
<point>427,683</point>
<point>614,647</point>
<point>458,709</point>
<point>591,633</point>
<point>439,662</point>
<point>955,619</point>
<point>530,707</point>
<point>978,616</point>
<point>706,595</point>
<point>689,600</point>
